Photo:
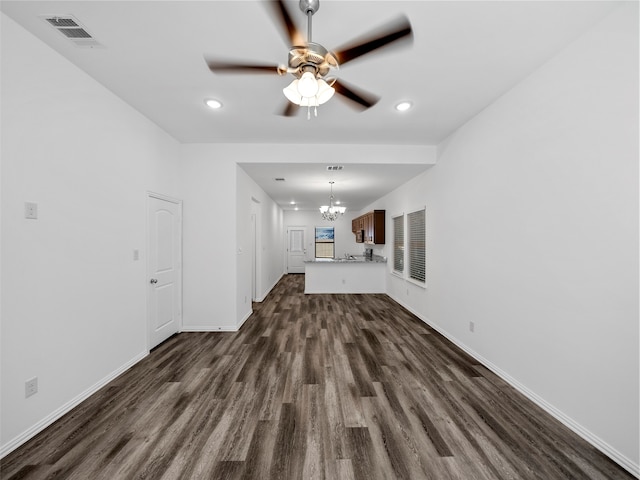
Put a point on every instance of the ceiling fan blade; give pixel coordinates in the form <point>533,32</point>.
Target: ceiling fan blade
<point>393,31</point>
<point>290,109</point>
<point>293,35</point>
<point>225,66</point>
<point>361,99</point>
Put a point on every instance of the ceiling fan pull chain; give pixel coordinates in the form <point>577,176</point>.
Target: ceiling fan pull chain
<point>308,112</point>
<point>315,111</point>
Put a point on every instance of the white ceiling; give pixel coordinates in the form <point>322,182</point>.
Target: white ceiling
<point>464,55</point>
<point>356,186</point>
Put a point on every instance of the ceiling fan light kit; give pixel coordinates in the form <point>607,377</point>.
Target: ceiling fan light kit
<point>313,93</point>
<point>310,63</point>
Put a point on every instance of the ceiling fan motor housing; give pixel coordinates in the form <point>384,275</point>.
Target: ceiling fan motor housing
<point>309,6</point>
<point>313,56</point>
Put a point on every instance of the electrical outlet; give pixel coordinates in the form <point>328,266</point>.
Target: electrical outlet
<point>472,327</point>
<point>30,387</point>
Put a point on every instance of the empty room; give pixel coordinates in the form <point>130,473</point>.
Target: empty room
<point>328,239</point>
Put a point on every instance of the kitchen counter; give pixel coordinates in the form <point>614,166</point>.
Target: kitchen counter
<point>346,275</point>
<point>350,259</point>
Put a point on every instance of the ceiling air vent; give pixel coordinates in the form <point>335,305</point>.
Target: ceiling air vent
<point>279,179</point>
<point>334,168</point>
<point>72,29</point>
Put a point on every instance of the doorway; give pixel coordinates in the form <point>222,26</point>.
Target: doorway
<point>164,267</point>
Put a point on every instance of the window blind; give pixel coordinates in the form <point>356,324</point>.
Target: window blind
<point>417,245</point>
<point>398,243</point>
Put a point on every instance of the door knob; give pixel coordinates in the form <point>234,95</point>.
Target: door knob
<point>153,280</point>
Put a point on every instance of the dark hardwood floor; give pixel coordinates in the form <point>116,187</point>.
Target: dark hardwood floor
<point>315,386</point>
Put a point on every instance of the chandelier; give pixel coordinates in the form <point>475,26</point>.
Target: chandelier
<point>331,212</point>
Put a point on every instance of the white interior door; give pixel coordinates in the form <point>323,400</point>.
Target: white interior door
<point>296,251</point>
<point>164,269</point>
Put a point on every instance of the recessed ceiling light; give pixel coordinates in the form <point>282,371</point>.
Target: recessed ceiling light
<point>403,106</point>
<point>213,103</point>
<point>292,203</point>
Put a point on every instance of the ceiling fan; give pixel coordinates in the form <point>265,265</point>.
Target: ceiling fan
<point>313,66</point>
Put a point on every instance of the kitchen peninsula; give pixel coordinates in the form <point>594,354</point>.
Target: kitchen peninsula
<point>352,274</point>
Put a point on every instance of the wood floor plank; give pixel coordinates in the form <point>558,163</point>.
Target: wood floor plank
<point>313,467</point>
<point>388,441</point>
<point>348,395</point>
<point>259,456</point>
<point>332,427</point>
<point>289,448</point>
<point>312,387</point>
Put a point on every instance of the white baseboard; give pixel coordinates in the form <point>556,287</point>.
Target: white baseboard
<point>217,328</point>
<point>268,291</point>
<point>604,447</point>
<point>206,328</point>
<point>246,317</point>
<point>74,402</point>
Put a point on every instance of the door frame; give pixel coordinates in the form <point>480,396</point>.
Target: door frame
<point>178,203</point>
<point>256,250</point>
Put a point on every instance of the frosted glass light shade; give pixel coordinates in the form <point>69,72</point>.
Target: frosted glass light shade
<point>308,85</point>
<point>323,92</point>
<point>291,92</point>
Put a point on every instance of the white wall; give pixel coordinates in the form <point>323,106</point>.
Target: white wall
<point>272,235</point>
<point>217,243</point>
<point>209,239</point>
<point>73,298</point>
<point>251,199</point>
<point>532,233</point>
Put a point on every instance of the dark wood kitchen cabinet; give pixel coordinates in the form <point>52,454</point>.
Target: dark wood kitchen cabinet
<point>372,224</point>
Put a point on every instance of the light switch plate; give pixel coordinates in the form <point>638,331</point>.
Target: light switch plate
<point>30,387</point>
<point>30,210</point>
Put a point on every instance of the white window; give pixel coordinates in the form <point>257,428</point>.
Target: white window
<point>325,242</point>
<point>398,244</point>
<point>416,226</point>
